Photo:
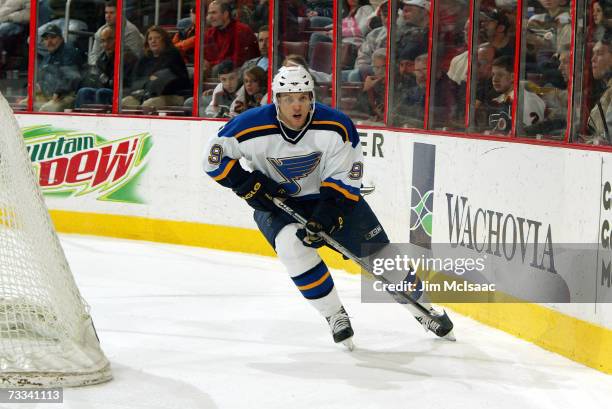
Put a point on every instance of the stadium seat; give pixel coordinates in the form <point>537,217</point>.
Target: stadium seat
<point>348,55</point>
<point>321,58</point>
<point>294,47</point>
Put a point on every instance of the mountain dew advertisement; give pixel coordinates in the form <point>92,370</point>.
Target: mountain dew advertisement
<point>72,163</point>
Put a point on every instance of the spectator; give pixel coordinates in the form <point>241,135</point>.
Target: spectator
<point>290,13</point>
<point>449,36</point>
<point>600,118</point>
<point>411,111</point>
<point>133,40</point>
<point>500,107</point>
<point>556,100</point>
<point>484,92</point>
<point>253,93</point>
<point>602,13</point>
<point>58,75</point>
<point>57,9</point>
<point>494,27</point>
<point>242,9</point>
<point>413,27</point>
<point>227,39</point>
<point>442,102</point>
<point>184,39</point>
<point>355,18</point>
<point>598,20</point>
<point>14,18</point>
<point>160,75</point>
<point>484,87</point>
<point>225,92</point>
<point>319,12</point>
<point>372,98</point>
<point>404,81</point>
<point>259,16</point>
<point>263,36</point>
<point>547,32</point>
<point>97,84</point>
<point>457,70</point>
<point>375,39</point>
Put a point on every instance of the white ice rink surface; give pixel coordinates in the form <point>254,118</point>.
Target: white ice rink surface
<point>194,328</point>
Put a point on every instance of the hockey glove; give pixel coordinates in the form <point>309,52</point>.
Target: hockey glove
<point>259,190</point>
<point>327,218</point>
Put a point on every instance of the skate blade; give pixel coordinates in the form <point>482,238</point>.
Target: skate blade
<point>450,336</point>
<point>348,343</point>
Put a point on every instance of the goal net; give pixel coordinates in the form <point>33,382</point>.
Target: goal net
<point>47,336</point>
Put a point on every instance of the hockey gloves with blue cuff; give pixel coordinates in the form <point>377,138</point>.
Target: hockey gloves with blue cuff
<point>327,217</point>
<point>259,190</point>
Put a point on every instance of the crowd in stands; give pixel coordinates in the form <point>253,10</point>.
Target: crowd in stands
<point>157,62</point>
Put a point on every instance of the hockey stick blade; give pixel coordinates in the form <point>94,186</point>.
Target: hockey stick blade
<point>366,190</point>
<point>439,324</point>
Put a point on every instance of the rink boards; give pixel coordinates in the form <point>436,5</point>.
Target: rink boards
<point>142,178</point>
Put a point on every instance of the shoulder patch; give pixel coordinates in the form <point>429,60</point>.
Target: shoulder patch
<point>333,120</point>
<point>251,124</point>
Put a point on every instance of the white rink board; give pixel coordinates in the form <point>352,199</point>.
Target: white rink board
<point>560,188</point>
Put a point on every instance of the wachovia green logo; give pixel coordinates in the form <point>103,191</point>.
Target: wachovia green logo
<point>75,163</point>
<point>421,216</point>
<point>422,194</point>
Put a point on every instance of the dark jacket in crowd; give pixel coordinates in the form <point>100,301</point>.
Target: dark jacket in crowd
<point>101,74</point>
<point>59,72</point>
<point>170,70</point>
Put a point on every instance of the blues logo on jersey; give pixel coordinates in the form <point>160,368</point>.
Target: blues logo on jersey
<point>295,168</point>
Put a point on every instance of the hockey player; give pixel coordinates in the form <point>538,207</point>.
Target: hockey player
<point>309,154</point>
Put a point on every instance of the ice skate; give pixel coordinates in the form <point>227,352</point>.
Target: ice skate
<point>341,329</point>
<point>443,328</point>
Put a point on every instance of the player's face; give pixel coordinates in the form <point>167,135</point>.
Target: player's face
<point>503,81</point>
<point>601,60</point>
<point>294,108</point>
<point>229,81</point>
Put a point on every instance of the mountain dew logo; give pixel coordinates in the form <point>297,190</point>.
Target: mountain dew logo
<point>421,200</point>
<point>73,163</point>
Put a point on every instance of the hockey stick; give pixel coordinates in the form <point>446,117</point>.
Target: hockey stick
<point>440,325</point>
<point>366,190</point>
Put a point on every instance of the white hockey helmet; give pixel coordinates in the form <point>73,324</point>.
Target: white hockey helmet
<point>292,79</point>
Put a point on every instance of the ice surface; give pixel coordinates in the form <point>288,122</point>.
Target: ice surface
<point>195,328</point>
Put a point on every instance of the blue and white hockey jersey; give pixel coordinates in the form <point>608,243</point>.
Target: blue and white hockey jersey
<point>325,160</point>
